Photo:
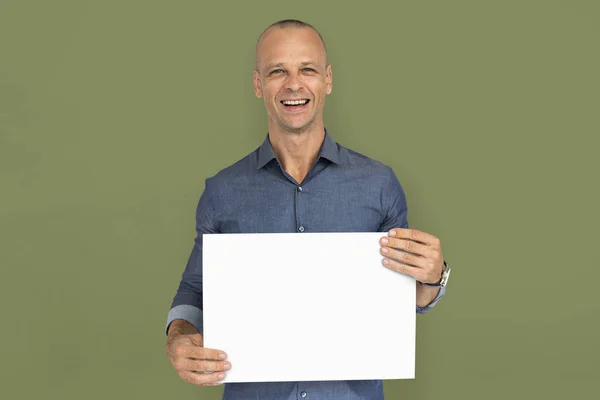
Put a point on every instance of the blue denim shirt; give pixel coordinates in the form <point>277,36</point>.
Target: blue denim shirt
<point>343,192</point>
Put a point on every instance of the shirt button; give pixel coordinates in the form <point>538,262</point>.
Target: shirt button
<point>301,228</point>
<point>303,394</point>
<point>299,188</point>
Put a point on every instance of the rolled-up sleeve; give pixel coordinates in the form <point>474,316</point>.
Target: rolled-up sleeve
<point>394,202</point>
<point>187,303</point>
<point>423,310</point>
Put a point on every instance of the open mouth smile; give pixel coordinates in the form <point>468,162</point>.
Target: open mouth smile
<point>295,105</point>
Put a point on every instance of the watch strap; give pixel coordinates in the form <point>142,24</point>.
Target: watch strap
<point>444,279</point>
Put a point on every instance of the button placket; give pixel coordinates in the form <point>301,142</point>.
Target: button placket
<point>299,226</point>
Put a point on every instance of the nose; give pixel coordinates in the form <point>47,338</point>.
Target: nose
<point>294,82</point>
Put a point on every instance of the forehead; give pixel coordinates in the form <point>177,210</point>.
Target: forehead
<point>290,45</point>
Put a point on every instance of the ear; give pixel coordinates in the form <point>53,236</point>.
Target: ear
<point>328,80</point>
<point>256,80</point>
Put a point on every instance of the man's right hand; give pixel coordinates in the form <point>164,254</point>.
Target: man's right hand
<point>190,359</point>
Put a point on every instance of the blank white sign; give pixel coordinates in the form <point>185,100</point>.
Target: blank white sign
<point>307,307</point>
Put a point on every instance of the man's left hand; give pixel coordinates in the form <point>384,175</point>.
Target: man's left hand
<point>413,253</point>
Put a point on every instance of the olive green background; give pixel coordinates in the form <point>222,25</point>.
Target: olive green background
<point>112,114</point>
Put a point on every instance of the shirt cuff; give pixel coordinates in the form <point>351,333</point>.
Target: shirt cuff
<point>423,310</point>
<point>191,314</point>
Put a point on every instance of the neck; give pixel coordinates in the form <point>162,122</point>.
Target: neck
<point>297,151</point>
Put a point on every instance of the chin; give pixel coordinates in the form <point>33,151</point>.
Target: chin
<point>298,126</point>
<point>292,128</point>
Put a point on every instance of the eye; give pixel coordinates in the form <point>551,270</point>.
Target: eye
<point>307,69</point>
<point>276,71</point>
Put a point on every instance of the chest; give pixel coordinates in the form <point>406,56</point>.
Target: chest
<point>316,206</point>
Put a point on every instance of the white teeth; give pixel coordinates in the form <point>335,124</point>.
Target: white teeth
<point>294,102</point>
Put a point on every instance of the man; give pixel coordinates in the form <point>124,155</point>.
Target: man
<point>298,180</point>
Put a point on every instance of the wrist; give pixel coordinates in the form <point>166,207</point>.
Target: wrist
<point>181,327</point>
<point>426,294</point>
<point>442,281</point>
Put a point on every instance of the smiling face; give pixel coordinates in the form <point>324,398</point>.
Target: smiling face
<point>293,78</point>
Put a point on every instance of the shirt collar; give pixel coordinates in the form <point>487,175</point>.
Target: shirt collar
<point>329,150</point>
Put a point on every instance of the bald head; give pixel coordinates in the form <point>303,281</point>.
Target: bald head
<point>285,24</point>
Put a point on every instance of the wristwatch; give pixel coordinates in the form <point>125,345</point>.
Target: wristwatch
<point>444,281</point>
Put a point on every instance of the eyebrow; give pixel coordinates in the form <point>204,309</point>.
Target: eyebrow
<point>303,64</point>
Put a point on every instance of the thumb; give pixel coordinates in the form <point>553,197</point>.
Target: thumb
<point>197,339</point>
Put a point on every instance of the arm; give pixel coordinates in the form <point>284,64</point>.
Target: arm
<point>185,344</point>
<point>425,295</point>
<point>422,269</point>
<point>427,299</point>
<point>187,303</point>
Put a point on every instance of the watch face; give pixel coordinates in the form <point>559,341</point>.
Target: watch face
<point>445,276</point>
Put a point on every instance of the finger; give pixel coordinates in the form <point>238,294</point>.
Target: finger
<point>202,379</point>
<point>415,235</point>
<point>403,268</point>
<point>405,258</point>
<point>406,245</point>
<point>202,353</point>
<point>202,365</point>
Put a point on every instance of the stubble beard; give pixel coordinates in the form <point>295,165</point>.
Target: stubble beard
<point>297,130</point>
